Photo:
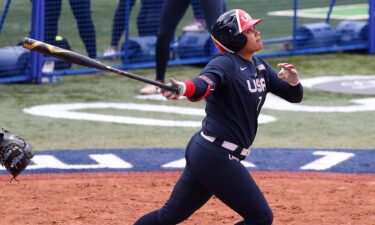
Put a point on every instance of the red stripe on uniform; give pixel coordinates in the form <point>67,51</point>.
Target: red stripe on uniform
<point>208,91</point>
<point>190,88</point>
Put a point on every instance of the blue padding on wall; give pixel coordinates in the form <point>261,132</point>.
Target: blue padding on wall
<point>315,35</point>
<point>13,60</point>
<point>352,32</point>
<point>193,44</point>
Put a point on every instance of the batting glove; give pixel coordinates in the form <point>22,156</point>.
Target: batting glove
<point>288,73</point>
<point>180,86</point>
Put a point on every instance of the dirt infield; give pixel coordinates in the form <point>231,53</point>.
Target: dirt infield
<point>120,198</point>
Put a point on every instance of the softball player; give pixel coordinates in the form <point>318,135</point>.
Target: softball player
<point>234,85</point>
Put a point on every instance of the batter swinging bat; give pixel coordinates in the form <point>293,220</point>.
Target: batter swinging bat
<point>82,60</point>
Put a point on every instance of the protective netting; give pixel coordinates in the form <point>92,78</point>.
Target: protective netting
<point>123,32</point>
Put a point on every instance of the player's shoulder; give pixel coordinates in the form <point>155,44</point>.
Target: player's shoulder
<point>259,60</point>
<point>222,56</point>
<point>222,60</point>
<point>261,63</point>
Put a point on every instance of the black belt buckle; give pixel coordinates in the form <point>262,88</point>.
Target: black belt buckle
<point>218,141</point>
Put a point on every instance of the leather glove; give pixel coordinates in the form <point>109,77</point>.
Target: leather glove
<point>288,73</point>
<point>180,86</point>
<point>15,152</point>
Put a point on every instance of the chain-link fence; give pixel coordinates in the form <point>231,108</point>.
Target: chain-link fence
<point>123,33</point>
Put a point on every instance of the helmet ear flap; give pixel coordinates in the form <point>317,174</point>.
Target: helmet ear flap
<point>238,42</point>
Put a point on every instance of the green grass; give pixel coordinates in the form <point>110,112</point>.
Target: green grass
<point>292,129</point>
<point>331,64</point>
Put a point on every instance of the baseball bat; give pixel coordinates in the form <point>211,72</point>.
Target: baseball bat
<point>76,58</point>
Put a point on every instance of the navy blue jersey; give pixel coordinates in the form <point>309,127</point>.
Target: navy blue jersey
<point>232,109</point>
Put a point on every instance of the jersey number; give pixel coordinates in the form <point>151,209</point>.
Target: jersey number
<point>260,102</point>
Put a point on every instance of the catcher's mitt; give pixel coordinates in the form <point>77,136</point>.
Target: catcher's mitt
<point>15,153</point>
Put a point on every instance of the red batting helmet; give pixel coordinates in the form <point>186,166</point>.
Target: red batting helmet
<point>226,33</point>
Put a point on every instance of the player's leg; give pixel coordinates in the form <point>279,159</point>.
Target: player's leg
<point>82,12</point>
<point>230,181</point>
<point>239,191</point>
<point>118,26</point>
<point>211,11</point>
<point>187,196</point>
<point>171,15</point>
<point>51,21</point>
<point>148,19</point>
<point>119,18</point>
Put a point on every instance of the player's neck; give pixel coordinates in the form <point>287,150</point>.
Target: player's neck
<point>245,55</point>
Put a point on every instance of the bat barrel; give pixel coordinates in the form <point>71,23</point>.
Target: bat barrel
<point>82,60</point>
<point>60,53</point>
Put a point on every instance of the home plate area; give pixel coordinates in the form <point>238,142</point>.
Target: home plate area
<point>117,186</point>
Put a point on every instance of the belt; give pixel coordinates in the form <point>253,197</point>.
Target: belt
<point>236,149</point>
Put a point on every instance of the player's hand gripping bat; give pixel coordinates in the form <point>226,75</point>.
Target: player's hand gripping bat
<point>73,57</point>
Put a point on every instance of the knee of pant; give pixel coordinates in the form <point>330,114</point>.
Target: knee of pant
<point>265,219</point>
<point>268,219</point>
<point>171,218</point>
<point>171,221</point>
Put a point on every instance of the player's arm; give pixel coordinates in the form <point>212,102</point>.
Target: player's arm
<point>194,89</point>
<point>198,88</point>
<point>285,83</point>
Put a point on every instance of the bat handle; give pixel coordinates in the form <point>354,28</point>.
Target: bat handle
<point>145,80</point>
<point>173,88</point>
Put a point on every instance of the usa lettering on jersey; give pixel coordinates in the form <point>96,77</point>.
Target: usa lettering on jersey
<point>256,85</point>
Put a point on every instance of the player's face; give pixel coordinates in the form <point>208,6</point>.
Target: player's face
<point>254,42</point>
